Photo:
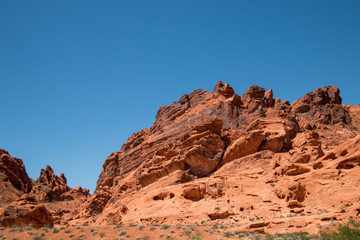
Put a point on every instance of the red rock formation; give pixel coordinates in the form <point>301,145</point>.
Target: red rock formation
<point>250,159</point>
<point>49,187</point>
<point>25,212</point>
<point>14,180</point>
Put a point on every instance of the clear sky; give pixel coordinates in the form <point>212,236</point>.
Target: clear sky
<point>77,78</point>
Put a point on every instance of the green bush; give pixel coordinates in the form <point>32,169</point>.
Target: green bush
<point>350,231</point>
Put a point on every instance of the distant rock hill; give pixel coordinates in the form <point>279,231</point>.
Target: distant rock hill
<point>21,197</point>
<point>254,160</point>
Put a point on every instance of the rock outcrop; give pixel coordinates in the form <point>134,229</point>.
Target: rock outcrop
<point>14,180</point>
<point>49,187</point>
<point>251,159</point>
<point>25,211</point>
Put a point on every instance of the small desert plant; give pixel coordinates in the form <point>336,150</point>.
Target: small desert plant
<point>122,233</point>
<point>161,235</point>
<point>164,226</point>
<point>85,224</point>
<point>67,231</point>
<point>152,228</point>
<point>102,234</point>
<point>81,235</point>
<point>12,230</point>
<point>61,228</point>
<point>204,223</point>
<point>142,226</point>
<point>55,230</point>
<point>127,235</point>
<point>229,234</point>
<point>37,238</point>
<point>132,224</point>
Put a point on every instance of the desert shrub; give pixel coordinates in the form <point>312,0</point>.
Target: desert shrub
<point>102,234</point>
<point>55,230</point>
<point>67,231</point>
<point>122,233</point>
<point>349,231</point>
<point>229,234</point>
<point>161,235</point>
<point>164,226</point>
<point>37,238</point>
<point>192,236</point>
<point>132,224</point>
<point>142,226</point>
<point>152,228</point>
<point>172,231</point>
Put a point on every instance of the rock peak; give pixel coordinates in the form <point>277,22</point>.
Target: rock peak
<point>222,89</point>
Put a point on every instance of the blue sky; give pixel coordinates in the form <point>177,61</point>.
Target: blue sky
<point>79,77</point>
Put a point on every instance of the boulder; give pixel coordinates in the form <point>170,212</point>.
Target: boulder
<point>25,211</point>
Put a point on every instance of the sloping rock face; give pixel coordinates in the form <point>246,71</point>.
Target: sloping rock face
<point>14,180</point>
<point>255,160</point>
<point>49,187</point>
<point>25,211</point>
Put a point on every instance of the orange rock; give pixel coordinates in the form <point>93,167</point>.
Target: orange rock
<point>25,211</point>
